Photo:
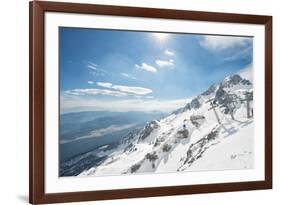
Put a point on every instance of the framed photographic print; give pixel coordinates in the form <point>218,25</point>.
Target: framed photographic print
<point>140,102</point>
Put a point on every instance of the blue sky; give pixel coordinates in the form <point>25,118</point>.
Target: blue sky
<point>126,70</point>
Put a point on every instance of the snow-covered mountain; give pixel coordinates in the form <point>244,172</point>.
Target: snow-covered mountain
<point>192,138</point>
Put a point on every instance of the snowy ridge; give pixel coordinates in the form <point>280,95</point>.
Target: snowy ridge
<point>189,139</point>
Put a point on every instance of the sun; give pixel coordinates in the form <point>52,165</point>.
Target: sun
<point>162,37</point>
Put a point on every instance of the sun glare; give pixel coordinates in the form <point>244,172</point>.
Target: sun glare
<point>161,36</point>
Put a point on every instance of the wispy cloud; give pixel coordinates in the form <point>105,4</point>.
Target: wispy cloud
<point>169,52</point>
<point>146,67</point>
<point>92,65</point>
<point>78,104</point>
<point>112,90</point>
<point>165,63</point>
<point>126,89</point>
<point>94,91</point>
<point>95,70</point>
<point>126,75</point>
<point>132,90</point>
<point>104,84</point>
<point>90,82</point>
<point>219,43</point>
<point>245,53</point>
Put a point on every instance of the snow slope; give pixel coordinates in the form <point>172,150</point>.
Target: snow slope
<point>190,139</point>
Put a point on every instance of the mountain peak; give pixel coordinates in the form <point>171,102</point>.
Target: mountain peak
<point>216,90</point>
<point>233,80</point>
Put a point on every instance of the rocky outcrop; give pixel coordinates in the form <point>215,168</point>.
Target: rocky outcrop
<point>149,128</point>
<point>234,80</point>
<point>210,90</point>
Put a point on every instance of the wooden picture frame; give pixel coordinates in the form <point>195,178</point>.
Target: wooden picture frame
<point>37,194</point>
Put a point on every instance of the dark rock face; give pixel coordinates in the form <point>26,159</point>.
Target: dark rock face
<point>166,148</point>
<point>197,149</point>
<point>210,90</point>
<point>135,168</point>
<point>219,94</point>
<point>246,82</point>
<point>234,80</point>
<point>130,136</point>
<point>183,133</point>
<point>148,129</point>
<point>212,135</point>
<point>197,120</point>
<point>187,107</point>
<point>196,117</point>
<point>195,103</point>
<point>151,156</point>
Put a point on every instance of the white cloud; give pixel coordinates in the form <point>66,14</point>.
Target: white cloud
<point>132,90</point>
<point>149,97</point>
<point>165,63</point>
<point>104,84</point>
<point>169,52</point>
<point>126,89</point>
<point>112,90</point>
<point>93,91</point>
<point>146,67</point>
<point>128,76</point>
<point>218,43</point>
<point>90,82</point>
<point>78,104</point>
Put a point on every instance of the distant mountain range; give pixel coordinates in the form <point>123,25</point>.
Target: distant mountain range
<point>83,131</point>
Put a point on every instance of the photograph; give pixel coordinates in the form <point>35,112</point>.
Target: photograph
<point>143,102</point>
<point>132,102</point>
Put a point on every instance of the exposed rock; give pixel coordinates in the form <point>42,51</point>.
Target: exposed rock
<point>148,129</point>
<point>183,133</point>
<point>246,82</point>
<point>234,80</point>
<point>197,120</point>
<point>166,148</point>
<point>212,135</point>
<point>219,94</point>
<point>197,149</point>
<point>195,103</point>
<point>151,156</point>
<point>135,167</point>
<point>210,90</point>
<point>158,141</point>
